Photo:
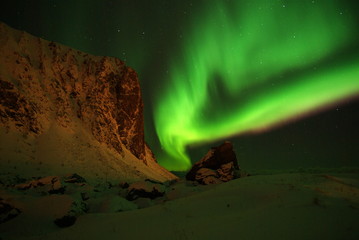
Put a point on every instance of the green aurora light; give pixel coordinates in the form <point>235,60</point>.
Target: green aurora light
<point>250,65</point>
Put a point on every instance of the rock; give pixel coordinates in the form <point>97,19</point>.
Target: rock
<point>211,180</point>
<point>77,208</point>
<point>145,189</point>
<point>85,196</point>
<point>226,172</point>
<point>57,187</point>
<point>74,178</point>
<point>207,176</point>
<point>217,166</point>
<point>101,91</point>
<point>204,173</point>
<point>7,211</point>
<point>50,184</point>
<point>75,106</point>
<point>65,221</point>
<point>10,180</point>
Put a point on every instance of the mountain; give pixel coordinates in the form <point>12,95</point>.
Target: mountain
<point>65,111</point>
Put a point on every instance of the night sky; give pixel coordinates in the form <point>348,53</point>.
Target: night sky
<point>280,79</point>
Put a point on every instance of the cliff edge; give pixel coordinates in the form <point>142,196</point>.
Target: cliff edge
<point>62,110</point>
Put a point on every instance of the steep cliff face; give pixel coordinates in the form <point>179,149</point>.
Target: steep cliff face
<point>48,89</point>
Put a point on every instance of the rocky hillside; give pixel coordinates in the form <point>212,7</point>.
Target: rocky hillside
<point>63,109</point>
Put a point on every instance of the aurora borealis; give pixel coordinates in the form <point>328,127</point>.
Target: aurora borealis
<point>212,70</point>
<point>246,68</point>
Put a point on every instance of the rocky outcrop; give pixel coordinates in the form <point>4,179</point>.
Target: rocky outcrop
<point>41,79</point>
<point>50,184</point>
<point>218,165</point>
<point>45,86</point>
<point>74,178</point>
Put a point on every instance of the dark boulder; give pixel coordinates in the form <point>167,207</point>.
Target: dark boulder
<point>218,165</point>
<point>65,221</point>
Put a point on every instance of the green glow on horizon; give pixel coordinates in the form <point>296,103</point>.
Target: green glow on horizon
<point>252,65</point>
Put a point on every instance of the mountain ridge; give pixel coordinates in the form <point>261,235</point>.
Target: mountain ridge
<point>55,97</point>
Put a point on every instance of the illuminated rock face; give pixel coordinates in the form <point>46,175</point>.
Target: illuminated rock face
<point>42,82</point>
<point>217,166</point>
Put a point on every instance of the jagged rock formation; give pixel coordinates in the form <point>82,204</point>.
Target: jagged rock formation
<point>52,94</point>
<point>218,165</point>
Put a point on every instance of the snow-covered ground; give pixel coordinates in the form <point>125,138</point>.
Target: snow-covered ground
<point>278,206</point>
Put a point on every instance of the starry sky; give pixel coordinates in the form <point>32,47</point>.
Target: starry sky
<point>278,78</point>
